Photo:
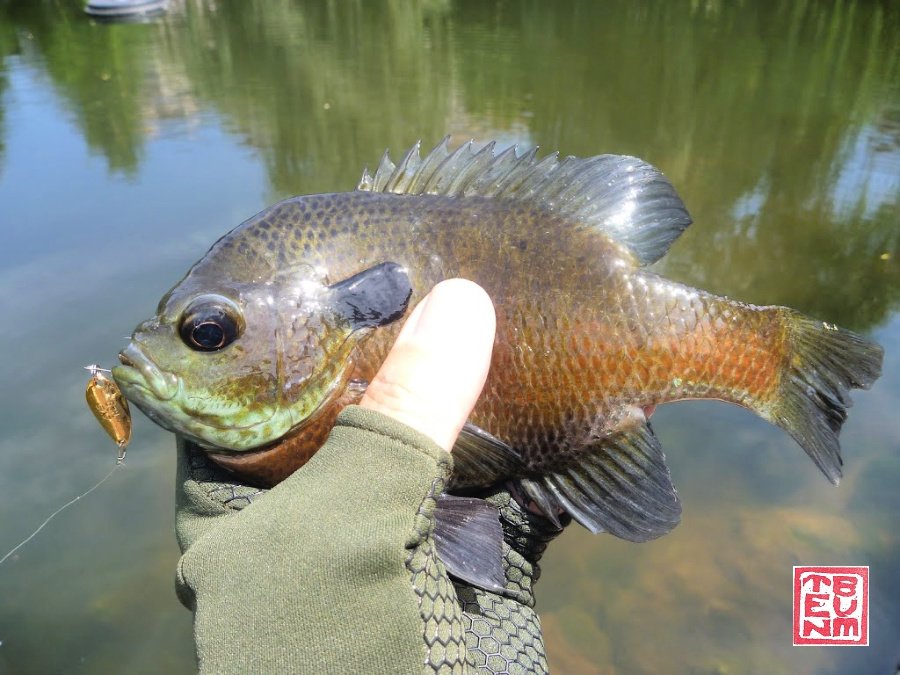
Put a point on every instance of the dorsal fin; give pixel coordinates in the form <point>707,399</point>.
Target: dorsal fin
<point>627,199</point>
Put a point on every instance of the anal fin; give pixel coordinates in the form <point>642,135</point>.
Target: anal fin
<point>623,486</point>
<point>469,540</point>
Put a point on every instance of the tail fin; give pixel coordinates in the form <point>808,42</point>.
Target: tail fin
<point>825,363</point>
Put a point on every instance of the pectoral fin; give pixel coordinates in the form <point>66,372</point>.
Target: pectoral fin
<point>623,487</point>
<point>469,539</point>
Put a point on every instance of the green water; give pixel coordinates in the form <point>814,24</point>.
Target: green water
<point>125,150</point>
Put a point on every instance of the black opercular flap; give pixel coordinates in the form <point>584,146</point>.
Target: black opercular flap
<point>374,297</point>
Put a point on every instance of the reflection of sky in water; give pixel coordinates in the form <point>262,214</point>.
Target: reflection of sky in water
<point>869,174</point>
<point>750,204</point>
<point>746,210</point>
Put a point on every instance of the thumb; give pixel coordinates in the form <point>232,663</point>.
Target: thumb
<point>434,373</point>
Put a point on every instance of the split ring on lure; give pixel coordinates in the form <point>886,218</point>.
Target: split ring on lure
<point>105,400</point>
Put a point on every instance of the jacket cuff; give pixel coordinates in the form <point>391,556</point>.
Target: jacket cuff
<point>355,417</point>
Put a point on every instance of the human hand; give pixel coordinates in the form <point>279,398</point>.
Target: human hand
<point>431,381</point>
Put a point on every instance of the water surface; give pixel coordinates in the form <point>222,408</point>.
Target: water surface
<point>126,150</point>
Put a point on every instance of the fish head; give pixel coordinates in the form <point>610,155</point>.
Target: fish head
<point>237,365</point>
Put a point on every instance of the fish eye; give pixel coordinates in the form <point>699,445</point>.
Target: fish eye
<point>210,324</point>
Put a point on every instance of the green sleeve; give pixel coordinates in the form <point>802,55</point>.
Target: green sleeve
<point>331,571</point>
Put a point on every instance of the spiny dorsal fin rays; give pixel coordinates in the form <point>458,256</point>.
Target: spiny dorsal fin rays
<point>404,172</point>
<point>473,168</point>
<point>430,165</point>
<point>623,197</point>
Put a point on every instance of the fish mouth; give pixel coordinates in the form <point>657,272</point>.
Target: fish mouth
<point>138,370</point>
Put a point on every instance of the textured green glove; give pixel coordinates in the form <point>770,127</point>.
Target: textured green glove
<point>503,632</point>
<point>334,570</point>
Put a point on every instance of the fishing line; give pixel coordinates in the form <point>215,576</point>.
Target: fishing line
<point>58,511</point>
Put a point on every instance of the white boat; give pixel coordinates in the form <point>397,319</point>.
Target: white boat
<point>121,9</point>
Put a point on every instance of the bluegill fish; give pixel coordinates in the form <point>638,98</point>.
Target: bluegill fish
<point>281,324</point>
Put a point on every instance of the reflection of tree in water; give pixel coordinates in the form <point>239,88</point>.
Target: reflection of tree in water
<point>9,45</point>
<point>320,88</point>
<point>98,70</point>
